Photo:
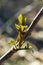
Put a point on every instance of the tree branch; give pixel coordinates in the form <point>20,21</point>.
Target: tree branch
<point>13,50</point>
<point>8,54</point>
<point>33,23</point>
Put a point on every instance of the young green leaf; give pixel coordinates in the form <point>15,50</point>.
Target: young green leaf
<point>12,42</point>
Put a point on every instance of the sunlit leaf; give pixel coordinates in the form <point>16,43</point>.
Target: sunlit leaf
<point>20,19</point>
<point>17,27</point>
<point>23,28</point>
<point>29,46</point>
<point>20,28</point>
<point>11,42</point>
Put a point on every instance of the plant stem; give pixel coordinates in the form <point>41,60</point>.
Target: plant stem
<point>12,50</point>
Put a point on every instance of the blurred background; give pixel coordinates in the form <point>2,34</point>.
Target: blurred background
<point>9,11</point>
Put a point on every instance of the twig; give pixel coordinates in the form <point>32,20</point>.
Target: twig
<point>12,50</point>
<point>33,23</point>
<point>8,54</point>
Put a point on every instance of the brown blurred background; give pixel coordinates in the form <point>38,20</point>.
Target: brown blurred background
<point>9,11</point>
